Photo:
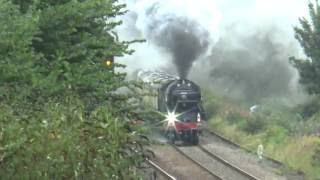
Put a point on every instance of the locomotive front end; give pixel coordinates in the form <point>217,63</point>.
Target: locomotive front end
<point>179,100</point>
<point>183,99</point>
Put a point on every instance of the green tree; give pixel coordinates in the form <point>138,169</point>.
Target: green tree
<point>308,35</point>
<point>59,115</point>
<point>74,39</point>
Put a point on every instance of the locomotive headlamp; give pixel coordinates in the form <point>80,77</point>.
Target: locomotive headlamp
<point>171,118</point>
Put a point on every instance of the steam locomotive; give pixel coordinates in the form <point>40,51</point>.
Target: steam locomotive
<point>177,98</point>
<point>181,100</point>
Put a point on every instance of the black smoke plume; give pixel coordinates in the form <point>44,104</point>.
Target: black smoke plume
<point>183,39</point>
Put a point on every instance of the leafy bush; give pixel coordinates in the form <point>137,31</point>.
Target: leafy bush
<point>211,104</point>
<point>309,109</point>
<point>61,143</point>
<point>255,124</point>
<point>234,117</point>
<point>275,135</point>
<point>316,155</point>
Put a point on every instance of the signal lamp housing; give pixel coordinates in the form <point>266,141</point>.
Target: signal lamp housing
<point>109,63</point>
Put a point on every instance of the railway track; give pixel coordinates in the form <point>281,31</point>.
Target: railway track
<point>160,170</point>
<point>212,159</point>
<point>214,164</point>
<point>180,165</point>
<point>228,141</point>
<point>230,165</point>
<point>201,165</point>
<point>270,165</point>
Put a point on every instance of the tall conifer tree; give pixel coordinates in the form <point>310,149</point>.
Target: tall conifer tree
<point>308,35</point>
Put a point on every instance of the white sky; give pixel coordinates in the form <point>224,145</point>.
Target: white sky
<point>216,16</point>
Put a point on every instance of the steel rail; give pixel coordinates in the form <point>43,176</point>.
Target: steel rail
<point>159,169</point>
<point>196,162</point>
<point>227,163</point>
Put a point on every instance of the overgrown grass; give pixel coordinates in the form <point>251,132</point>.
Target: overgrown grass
<point>274,126</point>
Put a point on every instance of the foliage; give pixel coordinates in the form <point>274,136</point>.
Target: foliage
<point>72,39</point>
<point>278,128</point>
<point>16,56</point>
<point>309,108</point>
<point>255,124</point>
<point>276,135</point>
<point>61,143</point>
<point>211,104</point>
<point>234,117</point>
<point>316,155</point>
<point>60,117</point>
<point>293,151</point>
<point>308,36</point>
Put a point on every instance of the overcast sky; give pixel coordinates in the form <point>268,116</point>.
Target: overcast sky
<point>244,17</point>
<point>241,46</point>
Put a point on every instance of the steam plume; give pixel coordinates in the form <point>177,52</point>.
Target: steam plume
<point>258,70</point>
<point>241,48</point>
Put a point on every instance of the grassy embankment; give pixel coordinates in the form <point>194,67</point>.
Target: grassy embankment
<point>287,134</point>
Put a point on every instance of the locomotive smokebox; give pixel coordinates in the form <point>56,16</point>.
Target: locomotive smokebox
<point>176,92</point>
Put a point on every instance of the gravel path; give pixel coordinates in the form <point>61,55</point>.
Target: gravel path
<point>178,165</point>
